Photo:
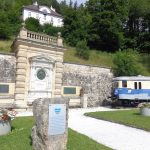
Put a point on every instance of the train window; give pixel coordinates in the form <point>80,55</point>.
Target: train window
<point>140,85</point>
<point>135,85</point>
<point>115,84</point>
<point>124,83</point>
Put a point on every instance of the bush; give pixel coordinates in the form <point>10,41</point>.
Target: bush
<point>33,24</point>
<point>144,42</point>
<point>51,30</point>
<point>5,30</point>
<point>126,63</point>
<point>82,50</point>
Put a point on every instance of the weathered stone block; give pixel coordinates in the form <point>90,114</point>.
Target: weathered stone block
<point>41,140</point>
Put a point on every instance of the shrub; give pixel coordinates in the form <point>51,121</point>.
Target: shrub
<point>33,24</point>
<point>126,63</point>
<point>143,42</point>
<point>82,50</point>
<point>51,30</point>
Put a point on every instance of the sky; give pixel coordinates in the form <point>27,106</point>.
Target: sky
<point>78,1</point>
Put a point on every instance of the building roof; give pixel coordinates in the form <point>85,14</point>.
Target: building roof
<point>132,78</point>
<point>37,8</point>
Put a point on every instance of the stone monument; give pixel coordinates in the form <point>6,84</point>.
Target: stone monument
<point>39,67</point>
<point>51,129</point>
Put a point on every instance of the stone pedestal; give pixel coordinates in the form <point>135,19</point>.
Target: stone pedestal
<point>43,135</point>
<point>84,100</point>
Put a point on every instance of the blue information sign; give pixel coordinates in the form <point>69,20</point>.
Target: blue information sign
<point>57,119</point>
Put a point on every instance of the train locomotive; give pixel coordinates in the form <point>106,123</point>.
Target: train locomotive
<point>131,90</point>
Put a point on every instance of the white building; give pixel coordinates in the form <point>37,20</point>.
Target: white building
<point>43,14</point>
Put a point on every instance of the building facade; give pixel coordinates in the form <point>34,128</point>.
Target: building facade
<point>43,14</point>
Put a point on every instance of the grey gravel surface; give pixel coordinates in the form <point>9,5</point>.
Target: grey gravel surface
<point>116,136</point>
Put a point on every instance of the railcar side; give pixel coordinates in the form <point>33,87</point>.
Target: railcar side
<point>131,90</point>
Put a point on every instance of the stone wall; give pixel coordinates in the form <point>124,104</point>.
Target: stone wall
<point>95,81</point>
<point>7,68</point>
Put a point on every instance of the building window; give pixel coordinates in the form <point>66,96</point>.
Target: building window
<point>135,85</point>
<point>37,16</point>
<point>124,83</point>
<point>51,20</point>
<point>59,20</point>
<point>4,88</point>
<point>29,14</point>
<point>115,84</point>
<point>44,17</point>
<point>140,85</point>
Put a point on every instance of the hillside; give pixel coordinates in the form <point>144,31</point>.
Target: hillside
<point>97,58</point>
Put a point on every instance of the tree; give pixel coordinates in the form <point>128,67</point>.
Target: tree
<point>126,63</point>
<point>76,25</point>
<point>82,50</point>
<point>33,24</point>
<point>5,30</point>
<point>108,18</point>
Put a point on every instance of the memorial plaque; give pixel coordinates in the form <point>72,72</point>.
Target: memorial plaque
<point>69,90</point>
<point>4,88</point>
<point>57,119</point>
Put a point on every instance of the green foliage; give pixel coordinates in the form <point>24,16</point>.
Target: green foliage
<point>126,117</point>
<point>106,27</point>
<point>51,30</point>
<point>98,58</point>
<point>10,22</point>
<point>4,27</point>
<point>126,63</point>
<point>33,24</point>
<point>144,42</point>
<point>82,50</point>
<point>76,25</point>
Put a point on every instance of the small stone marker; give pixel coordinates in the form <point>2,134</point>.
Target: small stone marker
<point>50,131</point>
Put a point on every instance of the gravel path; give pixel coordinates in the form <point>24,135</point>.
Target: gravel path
<point>118,137</point>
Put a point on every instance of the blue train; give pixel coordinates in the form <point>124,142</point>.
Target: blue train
<point>131,90</point>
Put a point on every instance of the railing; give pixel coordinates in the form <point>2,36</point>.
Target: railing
<point>41,38</point>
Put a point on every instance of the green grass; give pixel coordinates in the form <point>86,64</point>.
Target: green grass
<point>20,139</point>
<point>5,45</point>
<point>78,141</point>
<point>97,58</point>
<point>126,117</point>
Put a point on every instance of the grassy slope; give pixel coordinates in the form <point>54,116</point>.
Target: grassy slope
<point>5,45</point>
<point>127,117</point>
<point>97,58</point>
<point>20,139</point>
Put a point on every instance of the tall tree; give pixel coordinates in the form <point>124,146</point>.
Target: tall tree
<point>108,17</point>
<point>76,25</point>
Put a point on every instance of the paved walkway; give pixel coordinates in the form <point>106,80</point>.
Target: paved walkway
<point>118,137</point>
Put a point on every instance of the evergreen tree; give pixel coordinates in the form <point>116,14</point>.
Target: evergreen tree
<point>108,18</point>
